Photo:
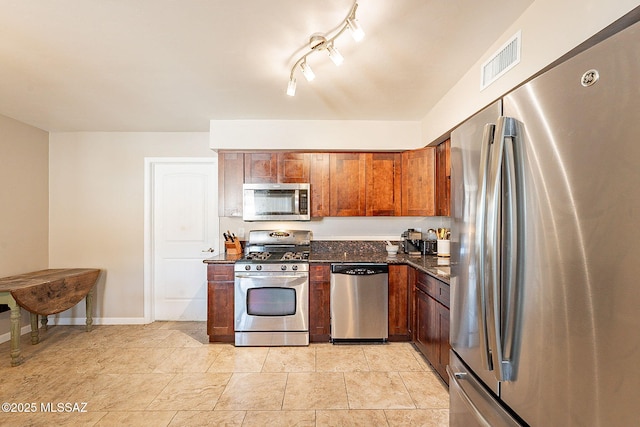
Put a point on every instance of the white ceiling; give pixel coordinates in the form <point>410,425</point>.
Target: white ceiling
<point>174,65</point>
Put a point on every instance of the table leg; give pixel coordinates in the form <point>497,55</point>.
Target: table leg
<point>45,322</point>
<point>35,334</point>
<point>89,302</point>
<point>15,332</point>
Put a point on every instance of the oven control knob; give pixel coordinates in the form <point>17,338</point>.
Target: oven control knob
<point>247,267</point>
<point>283,267</point>
<point>294,267</point>
<point>258,267</point>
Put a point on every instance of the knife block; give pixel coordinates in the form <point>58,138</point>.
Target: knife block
<point>233,248</point>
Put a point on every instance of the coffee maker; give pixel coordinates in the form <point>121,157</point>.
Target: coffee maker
<point>412,242</point>
<point>429,245</point>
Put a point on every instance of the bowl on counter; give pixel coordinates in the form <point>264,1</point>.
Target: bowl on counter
<point>392,250</point>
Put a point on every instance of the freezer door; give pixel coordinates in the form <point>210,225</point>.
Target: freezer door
<point>471,405</point>
<point>580,346</point>
<point>469,155</point>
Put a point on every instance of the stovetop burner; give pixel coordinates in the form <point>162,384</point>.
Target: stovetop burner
<point>269,256</point>
<point>266,246</point>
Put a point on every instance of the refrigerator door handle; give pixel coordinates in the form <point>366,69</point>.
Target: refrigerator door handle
<point>505,130</point>
<point>481,208</point>
<point>513,212</point>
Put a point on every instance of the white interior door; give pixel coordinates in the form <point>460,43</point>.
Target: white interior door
<point>184,227</point>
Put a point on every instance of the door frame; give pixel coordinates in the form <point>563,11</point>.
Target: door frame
<point>149,167</point>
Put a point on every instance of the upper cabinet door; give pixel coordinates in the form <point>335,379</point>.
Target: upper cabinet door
<point>347,184</point>
<point>230,179</point>
<point>384,186</point>
<point>319,180</point>
<point>260,168</point>
<point>418,182</point>
<point>293,167</point>
<point>443,178</point>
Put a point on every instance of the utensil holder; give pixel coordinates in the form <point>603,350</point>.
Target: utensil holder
<point>233,248</point>
<point>444,247</point>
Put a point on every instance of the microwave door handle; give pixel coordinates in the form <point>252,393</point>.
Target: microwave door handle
<point>480,249</point>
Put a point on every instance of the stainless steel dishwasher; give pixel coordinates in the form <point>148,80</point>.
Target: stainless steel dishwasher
<point>359,299</point>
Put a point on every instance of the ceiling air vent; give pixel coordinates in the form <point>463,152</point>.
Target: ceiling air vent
<point>502,61</point>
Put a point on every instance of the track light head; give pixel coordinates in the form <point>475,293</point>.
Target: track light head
<point>307,71</point>
<point>356,30</point>
<point>334,55</point>
<point>291,88</point>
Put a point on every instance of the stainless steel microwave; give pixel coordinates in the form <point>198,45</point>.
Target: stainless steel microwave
<point>275,202</point>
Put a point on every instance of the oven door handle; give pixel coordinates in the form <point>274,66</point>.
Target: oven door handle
<point>266,276</point>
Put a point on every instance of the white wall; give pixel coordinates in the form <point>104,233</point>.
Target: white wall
<point>97,211</point>
<point>328,135</point>
<point>24,199</point>
<point>550,29</point>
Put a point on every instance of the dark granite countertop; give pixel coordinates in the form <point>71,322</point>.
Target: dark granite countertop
<point>222,259</point>
<point>430,264</point>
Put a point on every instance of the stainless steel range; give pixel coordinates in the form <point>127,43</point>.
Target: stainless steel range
<point>272,289</point>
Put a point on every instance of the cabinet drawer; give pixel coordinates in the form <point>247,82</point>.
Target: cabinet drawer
<point>319,273</point>
<point>433,287</point>
<point>220,272</point>
<point>427,284</point>
<point>443,293</point>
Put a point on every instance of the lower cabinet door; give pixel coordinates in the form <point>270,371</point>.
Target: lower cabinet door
<point>425,319</point>
<point>443,341</point>
<point>220,312</point>
<point>319,313</point>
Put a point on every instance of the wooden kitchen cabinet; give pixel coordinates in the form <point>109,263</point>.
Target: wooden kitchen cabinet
<point>260,168</point>
<point>399,303</point>
<point>220,319</point>
<point>319,303</point>
<point>289,167</point>
<point>418,182</point>
<point>425,320</point>
<point>344,184</point>
<point>319,171</point>
<point>443,178</point>
<point>347,184</point>
<point>383,173</point>
<point>293,167</point>
<point>431,321</point>
<point>230,180</point>
<point>442,324</point>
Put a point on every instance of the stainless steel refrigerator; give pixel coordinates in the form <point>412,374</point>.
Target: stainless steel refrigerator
<point>545,261</point>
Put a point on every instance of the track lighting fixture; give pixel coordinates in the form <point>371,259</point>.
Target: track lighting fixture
<point>318,42</point>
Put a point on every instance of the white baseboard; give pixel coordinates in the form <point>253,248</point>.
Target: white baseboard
<point>80,321</point>
<point>6,337</point>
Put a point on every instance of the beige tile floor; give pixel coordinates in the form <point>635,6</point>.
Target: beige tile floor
<point>168,374</point>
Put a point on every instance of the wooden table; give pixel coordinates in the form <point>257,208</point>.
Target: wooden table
<point>43,293</point>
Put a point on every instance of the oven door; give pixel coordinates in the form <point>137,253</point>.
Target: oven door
<point>271,302</point>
